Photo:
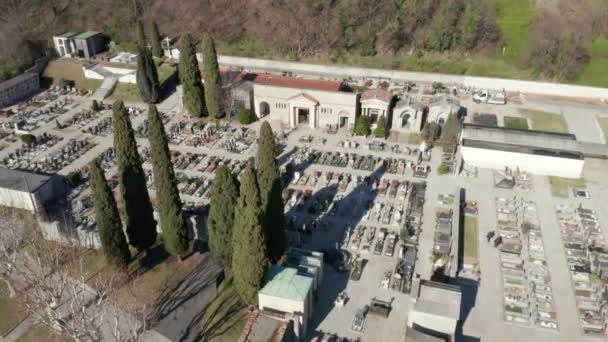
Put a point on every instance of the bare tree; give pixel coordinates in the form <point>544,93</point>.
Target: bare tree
<point>57,289</point>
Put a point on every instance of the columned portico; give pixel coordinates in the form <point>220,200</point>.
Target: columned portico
<point>302,110</point>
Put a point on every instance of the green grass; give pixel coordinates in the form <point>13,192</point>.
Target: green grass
<point>470,239</point>
<point>11,311</point>
<point>594,73</point>
<point>515,122</point>
<point>514,18</point>
<point>560,187</point>
<point>130,93</point>
<point>69,69</point>
<point>224,318</point>
<point>604,124</point>
<point>544,121</point>
<point>43,333</point>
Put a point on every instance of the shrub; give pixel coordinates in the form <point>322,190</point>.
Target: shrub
<point>28,139</point>
<point>95,106</point>
<point>362,125</point>
<point>443,169</point>
<point>246,116</point>
<point>74,179</point>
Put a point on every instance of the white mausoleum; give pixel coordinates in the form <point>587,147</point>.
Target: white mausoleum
<point>298,101</point>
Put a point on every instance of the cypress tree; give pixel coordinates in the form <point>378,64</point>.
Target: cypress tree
<point>190,76</point>
<point>112,237</point>
<point>213,80</point>
<point>147,77</point>
<point>221,216</point>
<point>139,217</point>
<point>172,220</point>
<point>157,51</point>
<point>380,131</point>
<point>249,258</point>
<point>271,194</point>
<point>141,36</point>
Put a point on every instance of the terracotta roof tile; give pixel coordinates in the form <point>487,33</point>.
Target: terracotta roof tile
<point>300,83</point>
<point>377,93</point>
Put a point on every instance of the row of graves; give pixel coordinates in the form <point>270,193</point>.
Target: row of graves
<point>513,180</point>
<point>32,115</point>
<point>32,160</point>
<point>238,140</point>
<point>587,256</point>
<point>445,222</point>
<point>526,282</point>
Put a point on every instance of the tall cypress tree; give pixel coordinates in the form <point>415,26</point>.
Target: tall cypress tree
<point>172,220</point>
<point>141,226</point>
<point>271,194</point>
<point>190,76</point>
<point>249,257</point>
<point>213,80</point>
<point>141,36</point>
<point>147,77</point>
<point>221,216</point>
<point>112,237</point>
<point>157,51</point>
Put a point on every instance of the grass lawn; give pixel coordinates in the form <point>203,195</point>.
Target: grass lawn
<point>151,283</point>
<point>594,73</point>
<point>69,69</point>
<point>130,93</point>
<point>11,311</point>
<point>560,187</point>
<point>224,318</point>
<point>90,263</point>
<point>470,240</point>
<point>43,333</point>
<point>514,18</point>
<point>604,124</point>
<point>544,121</point>
<point>515,122</point>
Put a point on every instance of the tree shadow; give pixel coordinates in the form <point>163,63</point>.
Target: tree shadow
<point>154,256</point>
<point>222,309</point>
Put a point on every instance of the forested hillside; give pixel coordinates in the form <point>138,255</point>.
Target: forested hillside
<point>552,39</point>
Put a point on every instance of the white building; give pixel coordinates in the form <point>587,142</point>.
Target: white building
<point>376,103</point>
<point>436,312</point>
<point>440,108</point>
<point>299,101</point>
<point>409,115</point>
<point>29,191</point>
<point>288,293</point>
<point>543,153</point>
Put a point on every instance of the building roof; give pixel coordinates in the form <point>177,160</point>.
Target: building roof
<point>67,35</point>
<point>21,180</point>
<point>16,80</point>
<point>409,101</point>
<point>439,299</point>
<point>521,141</point>
<point>377,94</point>
<point>285,282</point>
<point>260,327</point>
<point>299,83</point>
<point>87,34</point>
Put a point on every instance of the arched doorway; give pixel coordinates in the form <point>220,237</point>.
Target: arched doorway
<point>405,119</point>
<point>264,109</point>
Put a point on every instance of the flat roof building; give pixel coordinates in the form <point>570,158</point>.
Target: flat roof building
<point>435,314</point>
<point>84,45</point>
<point>29,191</point>
<point>538,152</point>
<point>288,293</point>
<point>18,87</point>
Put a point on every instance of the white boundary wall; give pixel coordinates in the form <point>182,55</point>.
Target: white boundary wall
<point>529,87</point>
<point>542,165</point>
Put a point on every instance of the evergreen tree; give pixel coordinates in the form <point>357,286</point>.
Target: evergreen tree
<point>271,194</point>
<point>380,131</point>
<point>172,220</point>
<point>451,129</point>
<point>112,237</point>
<point>249,251</point>
<point>221,216</point>
<point>141,36</point>
<point>147,77</point>
<point>471,23</point>
<point>361,125</point>
<point>213,80</point>
<point>190,76</point>
<point>444,29</point>
<point>139,217</point>
<point>157,51</point>
<point>95,106</point>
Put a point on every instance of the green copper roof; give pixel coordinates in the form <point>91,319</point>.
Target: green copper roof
<point>285,282</point>
<point>85,35</point>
